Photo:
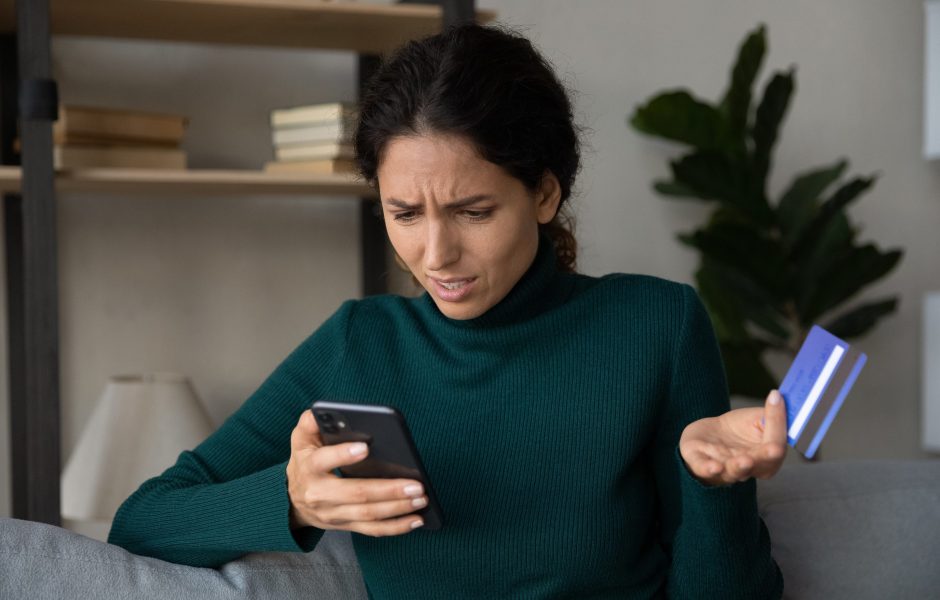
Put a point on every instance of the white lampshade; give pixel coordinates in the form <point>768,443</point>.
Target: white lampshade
<point>140,426</point>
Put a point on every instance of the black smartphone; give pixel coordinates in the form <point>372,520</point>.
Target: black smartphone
<point>392,452</point>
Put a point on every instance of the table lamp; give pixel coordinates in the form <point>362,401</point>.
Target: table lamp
<point>138,429</point>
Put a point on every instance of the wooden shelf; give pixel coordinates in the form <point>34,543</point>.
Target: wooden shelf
<point>194,181</point>
<point>359,26</point>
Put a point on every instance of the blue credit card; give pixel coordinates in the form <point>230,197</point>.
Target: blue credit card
<point>816,385</point>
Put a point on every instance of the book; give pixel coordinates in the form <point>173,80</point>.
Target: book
<point>76,157</point>
<point>336,165</point>
<point>314,151</point>
<point>79,139</point>
<point>115,125</point>
<point>314,113</point>
<point>327,131</point>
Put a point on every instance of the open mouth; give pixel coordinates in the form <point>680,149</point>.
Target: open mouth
<point>453,291</point>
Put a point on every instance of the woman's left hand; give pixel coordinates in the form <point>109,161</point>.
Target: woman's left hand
<point>737,445</point>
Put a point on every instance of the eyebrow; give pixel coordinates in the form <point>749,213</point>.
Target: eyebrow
<point>455,204</point>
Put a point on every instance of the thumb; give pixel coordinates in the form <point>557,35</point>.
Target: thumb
<point>306,434</point>
<point>775,419</point>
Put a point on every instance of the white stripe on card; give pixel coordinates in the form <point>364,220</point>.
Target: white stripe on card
<point>814,394</point>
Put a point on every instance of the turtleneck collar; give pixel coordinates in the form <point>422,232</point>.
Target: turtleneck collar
<point>540,288</point>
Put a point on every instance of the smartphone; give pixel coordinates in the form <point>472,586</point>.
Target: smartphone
<point>392,452</point>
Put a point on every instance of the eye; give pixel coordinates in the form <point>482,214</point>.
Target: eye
<point>477,215</point>
<point>406,216</point>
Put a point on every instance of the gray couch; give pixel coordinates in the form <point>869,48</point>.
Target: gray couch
<point>866,529</point>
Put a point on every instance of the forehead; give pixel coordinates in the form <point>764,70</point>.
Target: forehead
<point>436,163</point>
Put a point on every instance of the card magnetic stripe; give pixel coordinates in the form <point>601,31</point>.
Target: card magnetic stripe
<point>853,375</point>
<point>834,388</point>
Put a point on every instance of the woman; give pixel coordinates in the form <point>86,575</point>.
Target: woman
<point>576,429</point>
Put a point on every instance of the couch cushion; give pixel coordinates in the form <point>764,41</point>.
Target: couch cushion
<point>40,561</point>
<point>855,529</point>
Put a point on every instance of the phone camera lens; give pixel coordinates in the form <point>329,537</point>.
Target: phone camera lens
<point>326,417</point>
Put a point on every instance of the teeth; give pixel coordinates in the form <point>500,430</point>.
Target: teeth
<point>454,285</point>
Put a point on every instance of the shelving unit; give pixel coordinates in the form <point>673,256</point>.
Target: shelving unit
<point>27,96</point>
<point>193,181</point>
<point>365,28</point>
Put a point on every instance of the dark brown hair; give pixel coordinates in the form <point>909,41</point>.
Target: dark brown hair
<point>491,86</point>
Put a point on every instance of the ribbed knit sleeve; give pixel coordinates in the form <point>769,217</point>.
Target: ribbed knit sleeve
<point>228,496</point>
<point>718,545</point>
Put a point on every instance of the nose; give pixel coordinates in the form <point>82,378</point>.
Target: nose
<point>442,247</point>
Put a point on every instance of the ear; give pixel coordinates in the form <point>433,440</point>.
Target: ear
<point>547,198</point>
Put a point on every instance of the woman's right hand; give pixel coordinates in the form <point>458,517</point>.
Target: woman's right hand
<point>319,498</point>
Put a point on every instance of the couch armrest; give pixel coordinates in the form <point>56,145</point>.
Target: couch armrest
<point>41,561</point>
<point>855,529</point>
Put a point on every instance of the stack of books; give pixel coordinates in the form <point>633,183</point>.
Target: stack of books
<point>314,139</point>
<point>102,137</point>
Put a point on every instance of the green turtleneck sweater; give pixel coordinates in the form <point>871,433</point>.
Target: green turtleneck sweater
<point>549,427</point>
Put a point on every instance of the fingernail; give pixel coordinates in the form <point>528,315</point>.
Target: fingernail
<point>357,449</point>
<point>419,502</point>
<point>416,524</point>
<point>775,397</point>
<point>414,489</point>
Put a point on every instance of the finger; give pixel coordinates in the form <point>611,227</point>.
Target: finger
<point>327,458</point>
<point>306,434</point>
<point>739,468</point>
<point>372,511</point>
<point>768,460</point>
<point>773,452</point>
<point>775,419</point>
<point>703,466</point>
<point>397,526</point>
<point>361,491</point>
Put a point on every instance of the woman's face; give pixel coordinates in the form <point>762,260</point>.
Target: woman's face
<point>467,229</point>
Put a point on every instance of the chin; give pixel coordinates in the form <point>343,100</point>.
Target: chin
<point>459,312</point>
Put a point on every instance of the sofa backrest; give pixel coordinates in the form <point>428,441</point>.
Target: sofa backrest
<point>855,529</point>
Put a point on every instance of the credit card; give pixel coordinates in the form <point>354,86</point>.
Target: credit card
<point>816,385</point>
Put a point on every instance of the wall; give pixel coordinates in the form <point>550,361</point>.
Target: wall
<point>223,288</point>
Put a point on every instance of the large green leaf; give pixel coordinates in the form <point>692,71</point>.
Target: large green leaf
<point>747,250</point>
<point>767,121</point>
<point>860,319</point>
<point>725,214</point>
<point>679,117</point>
<point>833,244</point>
<point>846,277</point>
<point>741,354</point>
<point>799,203</point>
<point>711,175</point>
<point>737,100</point>
<point>829,209</point>
<point>747,374</point>
<point>722,308</point>
<point>675,190</point>
<point>750,299</point>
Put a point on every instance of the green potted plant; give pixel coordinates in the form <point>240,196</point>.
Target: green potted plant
<point>770,267</point>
